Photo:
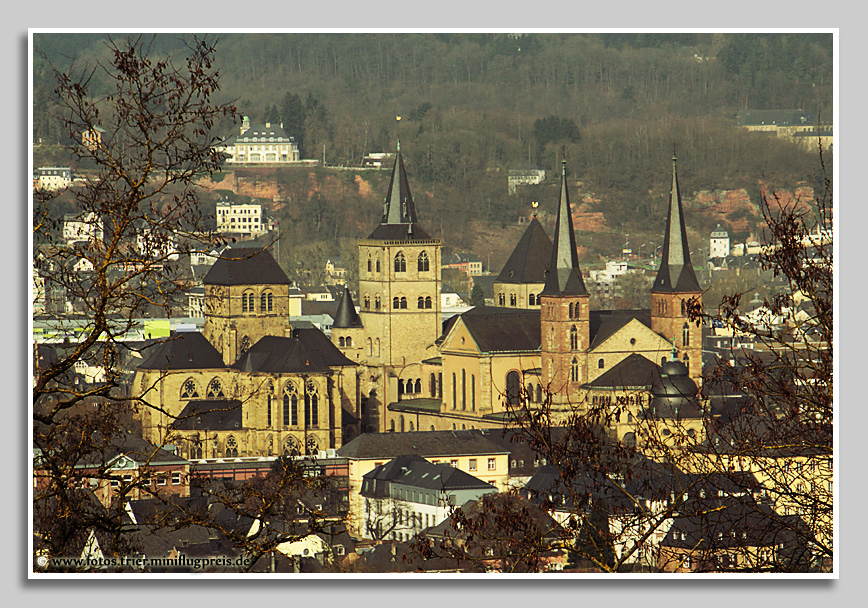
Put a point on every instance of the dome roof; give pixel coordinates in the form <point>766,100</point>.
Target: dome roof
<point>673,395</point>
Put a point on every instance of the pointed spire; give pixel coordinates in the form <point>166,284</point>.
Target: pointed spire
<point>676,271</point>
<point>346,315</point>
<point>399,220</point>
<point>564,277</point>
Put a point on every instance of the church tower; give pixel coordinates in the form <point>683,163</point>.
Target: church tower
<point>399,281</point>
<point>523,277</point>
<point>246,298</point>
<point>564,314</point>
<point>675,284</point>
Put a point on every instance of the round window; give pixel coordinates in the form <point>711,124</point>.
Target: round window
<point>632,341</point>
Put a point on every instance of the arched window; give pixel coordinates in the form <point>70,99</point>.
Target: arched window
<point>263,302</point>
<point>473,392</point>
<point>423,262</point>
<point>215,391</point>
<point>231,447</point>
<point>189,390</point>
<point>400,262</point>
<point>601,364</point>
<point>396,303</point>
<point>370,346</point>
<point>574,337</point>
<point>400,388</point>
<point>432,427</point>
<point>341,341</point>
<point>629,440</point>
<point>501,299</point>
<point>291,447</point>
<point>463,389</point>
<point>685,335</point>
<point>367,301</point>
<point>349,342</point>
<point>392,426</point>
<point>571,311</point>
<point>411,426</point>
<point>402,423</point>
<point>311,409</point>
<point>433,385</point>
<point>268,411</point>
<point>574,370</point>
<point>378,264</point>
<point>531,299</point>
<point>377,302</point>
<point>403,303</point>
<point>513,388</point>
<point>662,361</point>
<point>686,359</point>
<point>376,347</point>
<point>418,388</point>
<point>369,263</point>
<point>247,301</point>
<point>529,391</point>
<point>195,450</point>
<point>454,391</point>
<point>512,299</point>
<point>539,393</point>
<point>421,302</point>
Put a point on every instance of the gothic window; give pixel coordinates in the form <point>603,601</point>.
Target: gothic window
<point>291,447</point>
<point>377,302</point>
<point>512,299</point>
<point>370,347</point>
<point>215,390</point>
<point>501,299</point>
<point>369,263</point>
<point>685,335</point>
<point>231,447</point>
<point>400,262</point>
<point>423,262</point>
<point>268,411</point>
<point>574,370</point>
<point>421,303</point>
<point>195,450</point>
<point>378,264</point>
<point>290,406</point>
<point>513,388</point>
<point>427,301</point>
<point>574,338</point>
<point>245,344</point>
<point>311,408</point>
<point>572,316</point>
<point>367,302</point>
<point>189,389</point>
<point>312,446</point>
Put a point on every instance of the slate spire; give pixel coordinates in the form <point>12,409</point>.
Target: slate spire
<point>399,221</point>
<point>564,276</point>
<point>675,274</point>
<point>346,315</point>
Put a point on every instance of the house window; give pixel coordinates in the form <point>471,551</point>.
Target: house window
<point>572,313</point>
<point>453,464</point>
<point>377,302</point>
<point>176,479</point>
<point>492,464</point>
<point>161,481</point>
<point>349,342</point>
<point>423,264</point>
<point>472,464</point>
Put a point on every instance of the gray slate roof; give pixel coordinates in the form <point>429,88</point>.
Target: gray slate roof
<point>399,221</point>
<point>564,277</point>
<point>308,350</point>
<point>430,444</point>
<point>675,274</point>
<point>211,415</point>
<point>529,261</point>
<point>260,269</point>
<point>187,350</point>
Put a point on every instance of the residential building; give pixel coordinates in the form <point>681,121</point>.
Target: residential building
<point>245,219</point>
<point>260,144</point>
<point>53,178</point>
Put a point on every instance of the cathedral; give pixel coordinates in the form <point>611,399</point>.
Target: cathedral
<point>252,385</point>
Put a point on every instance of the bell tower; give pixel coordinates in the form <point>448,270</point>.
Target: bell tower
<point>564,314</point>
<point>676,284</point>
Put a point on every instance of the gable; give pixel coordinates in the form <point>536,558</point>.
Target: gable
<point>459,339</point>
<point>647,342</point>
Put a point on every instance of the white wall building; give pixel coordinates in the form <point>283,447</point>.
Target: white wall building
<point>241,218</point>
<point>260,144</point>
<point>719,243</point>
<point>82,228</point>
<point>53,178</point>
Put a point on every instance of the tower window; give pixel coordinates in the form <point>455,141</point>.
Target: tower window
<point>574,370</point>
<point>685,334</point>
<point>572,313</point>
<point>574,338</point>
